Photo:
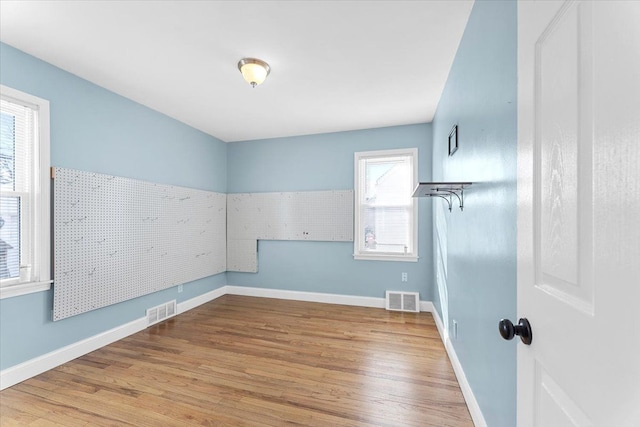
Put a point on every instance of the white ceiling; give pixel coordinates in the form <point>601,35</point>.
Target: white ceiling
<point>335,65</point>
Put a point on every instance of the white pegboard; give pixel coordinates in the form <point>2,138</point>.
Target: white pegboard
<point>119,238</point>
<point>313,215</point>
<point>242,255</point>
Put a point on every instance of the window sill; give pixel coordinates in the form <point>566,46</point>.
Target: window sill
<point>378,257</point>
<point>24,289</point>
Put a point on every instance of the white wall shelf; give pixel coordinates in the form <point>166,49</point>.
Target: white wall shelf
<point>444,190</point>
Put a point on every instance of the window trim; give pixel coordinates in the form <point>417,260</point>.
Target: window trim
<point>357,235</point>
<point>42,198</point>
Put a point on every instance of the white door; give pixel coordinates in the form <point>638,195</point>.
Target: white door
<point>579,213</point>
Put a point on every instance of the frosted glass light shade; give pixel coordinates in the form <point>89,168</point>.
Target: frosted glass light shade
<point>254,71</point>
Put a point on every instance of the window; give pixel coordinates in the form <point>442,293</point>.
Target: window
<point>24,193</point>
<point>386,216</point>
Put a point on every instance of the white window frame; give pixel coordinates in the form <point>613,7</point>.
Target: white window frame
<point>358,253</point>
<point>40,273</point>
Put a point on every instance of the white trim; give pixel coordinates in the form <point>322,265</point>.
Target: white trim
<point>358,254</point>
<point>24,289</point>
<point>40,235</point>
<point>467,392</point>
<point>23,371</point>
<point>307,296</point>
<point>427,307</point>
<point>380,257</point>
<point>42,217</point>
<point>200,299</point>
<point>38,365</point>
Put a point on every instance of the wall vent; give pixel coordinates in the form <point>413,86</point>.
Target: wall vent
<point>403,301</point>
<point>161,312</point>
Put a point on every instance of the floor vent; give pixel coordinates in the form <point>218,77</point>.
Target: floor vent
<point>161,312</point>
<point>403,301</point>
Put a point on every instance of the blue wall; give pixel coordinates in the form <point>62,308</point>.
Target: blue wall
<point>476,264</point>
<point>473,279</point>
<point>96,130</point>
<point>325,162</point>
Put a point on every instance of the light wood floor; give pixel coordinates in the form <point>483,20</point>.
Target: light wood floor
<point>241,361</point>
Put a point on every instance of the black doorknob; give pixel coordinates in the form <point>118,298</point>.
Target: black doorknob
<point>508,330</point>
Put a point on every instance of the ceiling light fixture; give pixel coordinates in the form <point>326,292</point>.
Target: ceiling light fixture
<point>254,71</point>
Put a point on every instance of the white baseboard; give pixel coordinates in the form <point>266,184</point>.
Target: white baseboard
<point>38,365</point>
<point>201,299</point>
<point>307,296</point>
<point>426,306</point>
<point>23,371</point>
<point>439,325</point>
<point>469,397</point>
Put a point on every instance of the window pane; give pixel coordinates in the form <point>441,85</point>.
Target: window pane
<point>7,152</point>
<point>387,229</point>
<point>24,163</point>
<point>373,172</point>
<point>17,140</point>
<point>9,237</point>
<point>387,181</point>
<point>386,212</point>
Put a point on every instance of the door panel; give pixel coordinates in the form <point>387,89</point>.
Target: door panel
<point>579,212</point>
<point>562,119</point>
<point>555,407</point>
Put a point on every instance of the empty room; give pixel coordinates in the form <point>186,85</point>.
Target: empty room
<point>320,213</point>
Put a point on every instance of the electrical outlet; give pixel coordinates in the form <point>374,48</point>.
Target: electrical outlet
<point>180,288</point>
<point>455,329</point>
<point>404,277</point>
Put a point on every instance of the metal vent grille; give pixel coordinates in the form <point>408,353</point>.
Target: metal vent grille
<point>171,309</point>
<point>403,301</point>
<point>410,302</point>
<point>161,312</point>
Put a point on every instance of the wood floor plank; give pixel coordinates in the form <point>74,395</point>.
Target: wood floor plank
<point>242,361</point>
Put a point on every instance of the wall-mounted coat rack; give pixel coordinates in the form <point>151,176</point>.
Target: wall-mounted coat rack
<point>444,190</point>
